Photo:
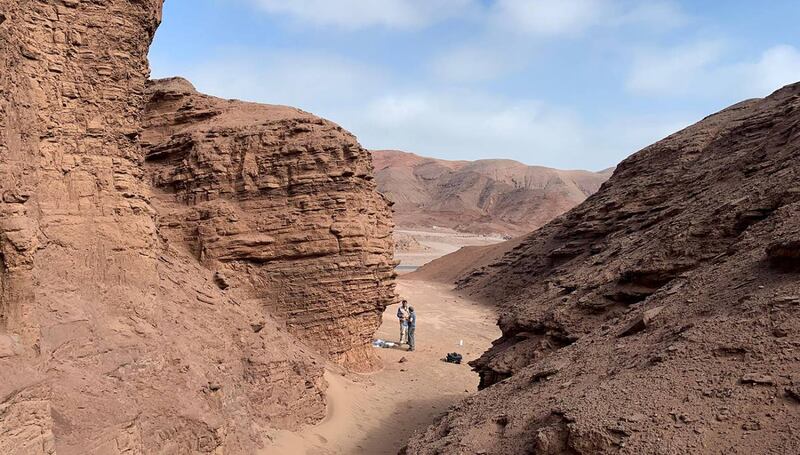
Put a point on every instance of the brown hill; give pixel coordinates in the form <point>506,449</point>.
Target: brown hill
<point>483,197</point>
<point>116,334</point>
<point>659,316</point>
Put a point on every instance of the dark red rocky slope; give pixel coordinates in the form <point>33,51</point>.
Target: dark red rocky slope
<point>659,316</point>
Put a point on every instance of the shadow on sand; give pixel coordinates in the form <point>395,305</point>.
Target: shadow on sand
<point>408,417</point>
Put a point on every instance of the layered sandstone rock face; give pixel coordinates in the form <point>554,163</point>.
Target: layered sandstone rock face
<point>661,315</point>
<point>111,339</point>
<point>283,205</point>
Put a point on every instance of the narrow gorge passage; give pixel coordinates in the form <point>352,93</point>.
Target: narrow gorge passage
<point>377,413</point>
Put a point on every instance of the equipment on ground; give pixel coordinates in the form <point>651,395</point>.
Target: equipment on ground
<point>383,344</point>
<point>453,357</point>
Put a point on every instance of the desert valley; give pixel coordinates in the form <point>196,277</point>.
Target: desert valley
<point>182,273</point>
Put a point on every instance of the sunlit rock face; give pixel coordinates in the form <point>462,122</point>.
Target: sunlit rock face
<point>281,202</point>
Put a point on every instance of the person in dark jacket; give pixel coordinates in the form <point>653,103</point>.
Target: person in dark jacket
<point>412,325</point>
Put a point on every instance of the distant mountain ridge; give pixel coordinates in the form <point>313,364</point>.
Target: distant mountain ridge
<point>494,196</point>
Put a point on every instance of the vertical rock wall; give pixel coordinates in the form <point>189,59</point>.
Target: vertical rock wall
<point>112,340</point>
<point>73,74</point>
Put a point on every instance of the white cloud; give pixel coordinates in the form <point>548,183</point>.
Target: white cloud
<point>549,18</point>
<point>674,71</point>
<point>478,62</point>
<point>514,32</point>
<point>654,14</point>
<point>467,123</point>
<point>304,80</point>
<point>355,14</point>
<point>707,70</point>
<point>778,66</point>
<point>537,17</point>
<point>470,125</point>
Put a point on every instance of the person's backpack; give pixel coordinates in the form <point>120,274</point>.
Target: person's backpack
<point>453,357</point>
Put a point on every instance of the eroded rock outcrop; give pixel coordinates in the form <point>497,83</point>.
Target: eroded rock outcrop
<point>660,316</point>
<point>281,202</point>
<point>111,339</point>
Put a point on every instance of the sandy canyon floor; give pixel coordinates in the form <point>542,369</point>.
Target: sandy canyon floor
<point>376,414</point>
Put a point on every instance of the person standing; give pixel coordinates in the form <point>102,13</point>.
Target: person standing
<point>403,315</point>
<point>412,325</point>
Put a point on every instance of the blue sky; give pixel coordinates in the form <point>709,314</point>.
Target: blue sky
<point>560,83</point>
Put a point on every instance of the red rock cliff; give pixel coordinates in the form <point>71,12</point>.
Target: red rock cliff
<point>283,204</point>
<point>112,340</point>
<point>659,316</point>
